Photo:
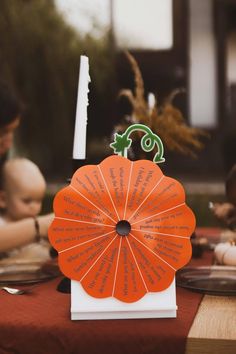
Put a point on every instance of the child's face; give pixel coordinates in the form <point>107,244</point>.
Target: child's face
<point>24,202</point>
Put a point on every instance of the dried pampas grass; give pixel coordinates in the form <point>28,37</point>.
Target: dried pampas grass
<point>166,121</point>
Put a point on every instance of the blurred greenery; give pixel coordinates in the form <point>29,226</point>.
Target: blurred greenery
<point>39,58</point>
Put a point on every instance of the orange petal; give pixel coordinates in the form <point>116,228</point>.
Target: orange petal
<point>175,251</point>
<point>145,176</point>
<point>89,184</point>
<point>116,173</point>
<point>76,262</point>
<point>99,281</point>
<point>167,194</point>
<point>178,220</point>
<point>129,284</point>
<point>157,274</point>
<point>70,205</point>
<point>64,234</point>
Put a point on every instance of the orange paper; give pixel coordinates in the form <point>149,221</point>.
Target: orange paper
<point>122,229</point>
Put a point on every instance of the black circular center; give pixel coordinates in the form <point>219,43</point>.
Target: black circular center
<point>123,228</point>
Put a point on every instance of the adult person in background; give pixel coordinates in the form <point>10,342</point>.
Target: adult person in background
<point>17,233</point>
<point>226,212</point>
<point>11,110</point>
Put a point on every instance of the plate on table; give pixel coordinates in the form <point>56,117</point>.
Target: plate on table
<point>212,280</point>
<point>27,272</point>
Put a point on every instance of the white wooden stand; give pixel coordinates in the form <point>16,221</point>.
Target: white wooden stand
<point>153,305</point>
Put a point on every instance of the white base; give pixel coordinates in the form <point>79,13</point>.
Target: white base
<point>153,305</point>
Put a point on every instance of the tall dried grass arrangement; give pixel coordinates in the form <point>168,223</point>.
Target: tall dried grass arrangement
<point>165,120</point>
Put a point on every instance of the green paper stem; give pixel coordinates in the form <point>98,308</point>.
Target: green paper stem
<point>123,142</point>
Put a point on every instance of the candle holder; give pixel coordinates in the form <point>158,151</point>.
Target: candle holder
<point>77,164</point>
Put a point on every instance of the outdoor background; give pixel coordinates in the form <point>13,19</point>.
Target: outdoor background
<point>39,57</point>
<point>41,42</point>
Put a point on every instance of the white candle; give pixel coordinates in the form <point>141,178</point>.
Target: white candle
<point>79,145</point>
<point>151,101</point>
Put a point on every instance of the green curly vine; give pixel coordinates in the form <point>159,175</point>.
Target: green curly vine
<point>123,142</point>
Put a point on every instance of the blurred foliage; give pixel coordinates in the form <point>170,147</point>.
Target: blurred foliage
<point>40,58</point>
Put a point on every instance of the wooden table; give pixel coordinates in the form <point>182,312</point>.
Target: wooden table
<point>214,327</point>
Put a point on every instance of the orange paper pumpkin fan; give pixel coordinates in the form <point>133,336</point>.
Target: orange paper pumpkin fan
<point>122,229</point>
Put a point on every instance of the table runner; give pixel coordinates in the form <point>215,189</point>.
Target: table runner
<point>40,322</point>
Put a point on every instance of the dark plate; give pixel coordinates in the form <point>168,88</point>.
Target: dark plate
<point>26,273</point>
<point>213,280</point>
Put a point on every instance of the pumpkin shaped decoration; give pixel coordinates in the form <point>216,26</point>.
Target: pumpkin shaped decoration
<point>122,228</point>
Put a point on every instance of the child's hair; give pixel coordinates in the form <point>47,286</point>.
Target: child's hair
<point>26,163</point>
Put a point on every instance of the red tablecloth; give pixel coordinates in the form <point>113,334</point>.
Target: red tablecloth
<point>39,323</point>
<point>213,234</point>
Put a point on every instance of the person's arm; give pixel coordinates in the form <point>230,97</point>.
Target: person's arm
<point>222,210</point>
<point>19,233</point>
<point>225,212</point>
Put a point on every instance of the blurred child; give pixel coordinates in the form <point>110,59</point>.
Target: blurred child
<point>22,191</point>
